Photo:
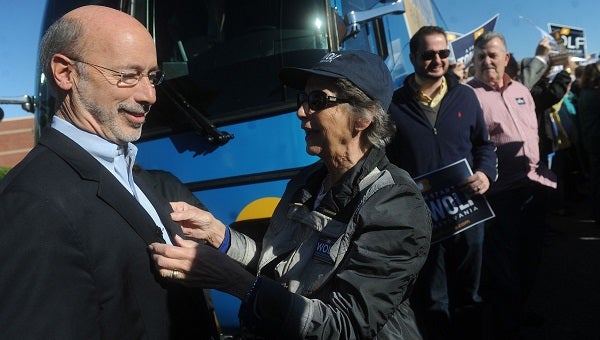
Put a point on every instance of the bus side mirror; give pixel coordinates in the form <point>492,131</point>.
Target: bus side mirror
<point>25,101</point>
<point>353,19</point>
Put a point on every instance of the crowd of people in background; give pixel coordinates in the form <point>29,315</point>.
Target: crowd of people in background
<point>555,83</point>
<point>439,121</point>
<point>543,115</point>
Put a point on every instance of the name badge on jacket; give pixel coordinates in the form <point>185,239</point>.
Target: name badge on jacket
<point>323,249</point>
<point>520,101</point>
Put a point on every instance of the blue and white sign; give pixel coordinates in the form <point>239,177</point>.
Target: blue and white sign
<point>573,38</point>
<point>463,47</point>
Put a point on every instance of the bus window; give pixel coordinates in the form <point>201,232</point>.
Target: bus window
<point>223,56</point>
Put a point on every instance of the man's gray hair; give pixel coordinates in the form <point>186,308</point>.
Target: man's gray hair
<point>483,39</point>
<point>381,130</point>
<point>63,36</point>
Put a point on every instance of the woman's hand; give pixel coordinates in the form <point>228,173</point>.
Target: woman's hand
<point>197,223</point>
<point>202,266</point>
<point>176,261</point>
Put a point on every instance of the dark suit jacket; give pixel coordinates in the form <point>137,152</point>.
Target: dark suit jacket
<point>75,263</point>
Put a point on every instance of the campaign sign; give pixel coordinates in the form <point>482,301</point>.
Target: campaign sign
<point>464,46</point>
<point>573,39</point>
<point>452,211</point>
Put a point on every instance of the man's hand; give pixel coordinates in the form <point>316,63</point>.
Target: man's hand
<point>459,70</point>
<point>477,184</point>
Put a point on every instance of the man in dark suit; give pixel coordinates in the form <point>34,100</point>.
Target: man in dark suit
<point>74,225</point>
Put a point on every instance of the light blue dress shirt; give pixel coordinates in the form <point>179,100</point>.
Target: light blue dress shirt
<point>117,159</point>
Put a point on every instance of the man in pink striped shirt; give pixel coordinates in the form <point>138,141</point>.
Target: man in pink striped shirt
<point>513,239</point>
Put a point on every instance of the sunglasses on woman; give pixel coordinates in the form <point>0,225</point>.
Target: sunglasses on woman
<point>318,100</point>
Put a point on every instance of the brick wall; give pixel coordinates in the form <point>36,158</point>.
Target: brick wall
<point>16,139</point>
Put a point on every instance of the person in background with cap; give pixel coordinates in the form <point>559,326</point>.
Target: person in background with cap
<point>439,122</point>
<point>349,236</point>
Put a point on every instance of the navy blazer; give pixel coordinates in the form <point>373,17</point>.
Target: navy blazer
<point>75,263</point>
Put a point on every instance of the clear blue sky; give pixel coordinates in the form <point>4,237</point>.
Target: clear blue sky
<point>521,36</point>
<point>20,22</point>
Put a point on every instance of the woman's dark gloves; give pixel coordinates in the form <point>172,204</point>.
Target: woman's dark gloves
<point>213,269</point>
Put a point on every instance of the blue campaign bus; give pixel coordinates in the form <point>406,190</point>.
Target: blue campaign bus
<point>223,122</point>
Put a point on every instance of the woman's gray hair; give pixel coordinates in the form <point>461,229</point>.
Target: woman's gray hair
<point>381,130</point>
<point>63,36</point>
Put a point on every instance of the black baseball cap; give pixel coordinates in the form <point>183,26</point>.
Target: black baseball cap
<point>365,70</point>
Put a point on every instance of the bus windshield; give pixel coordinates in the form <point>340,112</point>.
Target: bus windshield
<point>223,56</point>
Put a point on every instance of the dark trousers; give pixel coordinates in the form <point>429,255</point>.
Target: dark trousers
<point>511,256</point>
<point>446,298</point>
<point>595,186</point>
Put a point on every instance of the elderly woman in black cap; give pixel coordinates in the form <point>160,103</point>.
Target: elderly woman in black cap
<point>349,236</point>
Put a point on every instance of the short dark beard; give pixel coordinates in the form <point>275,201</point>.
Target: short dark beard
<point>426,75</point>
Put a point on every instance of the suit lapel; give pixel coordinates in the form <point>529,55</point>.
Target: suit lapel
<point>113,193</point>
<point>161,204</point>
<point>110,189</point>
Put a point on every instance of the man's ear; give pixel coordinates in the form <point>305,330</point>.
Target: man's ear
<point>62,73</point>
